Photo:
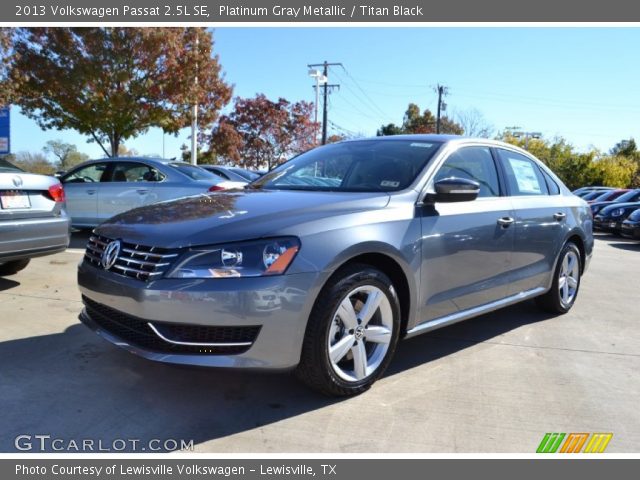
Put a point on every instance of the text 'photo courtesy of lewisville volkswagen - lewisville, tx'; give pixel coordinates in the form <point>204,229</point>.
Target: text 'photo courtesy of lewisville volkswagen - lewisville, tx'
<point>316,237</point>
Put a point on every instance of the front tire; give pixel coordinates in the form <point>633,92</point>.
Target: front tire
<point>13,267</point>
<point>566,282</point>
<point>352,332</point>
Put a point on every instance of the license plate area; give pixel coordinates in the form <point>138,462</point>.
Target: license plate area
<point>14,200</point>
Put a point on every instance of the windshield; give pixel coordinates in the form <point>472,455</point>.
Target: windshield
<point>5,166</point>
<point>196,173</point>
<point>245,173</point>
<point>360,166</point>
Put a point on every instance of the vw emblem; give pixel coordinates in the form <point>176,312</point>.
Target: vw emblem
<point>17,181</point>
<point>110,254</point>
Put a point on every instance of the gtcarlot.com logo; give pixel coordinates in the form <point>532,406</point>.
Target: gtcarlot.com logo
<point>574,442</point>
<point>48,443</point>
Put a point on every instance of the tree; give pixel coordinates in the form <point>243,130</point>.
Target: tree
<point>6,43</point>
<point>67,154</point>
<point>260,133</point>
<point>32,162</point>
<point>416,122</point>
<point>474,124</point>
<point>115,83</point>
<point>336,137</point>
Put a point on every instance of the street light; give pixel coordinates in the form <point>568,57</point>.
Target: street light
<point>320,80</point>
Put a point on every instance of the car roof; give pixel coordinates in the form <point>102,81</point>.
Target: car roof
<point>442,138</point>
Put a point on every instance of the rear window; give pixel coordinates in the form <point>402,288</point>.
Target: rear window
<point>195,173</point>
<point>5,166</point>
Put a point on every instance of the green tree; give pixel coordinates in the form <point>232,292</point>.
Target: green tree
<point>115,83</point>
<point>66,154</point>
<point>415,121</point>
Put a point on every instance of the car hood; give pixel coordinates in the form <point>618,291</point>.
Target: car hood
<point>231,216</point>
<point>607,210</point>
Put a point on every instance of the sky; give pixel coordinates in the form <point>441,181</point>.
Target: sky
<point>579,83</point>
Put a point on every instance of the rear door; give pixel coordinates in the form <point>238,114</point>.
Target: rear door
<point>540,225</point>
<point>82,189</point>
<point>466,246</point>
<point>131,184</point>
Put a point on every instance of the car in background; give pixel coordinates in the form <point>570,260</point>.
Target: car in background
<point>606,196</point>
<point>631,226</point>
<point>234,174</point>
<point>610,218</point>
<point>99,189</point>
<point>328,260</point>
<point>33,219</point>
<point>630,196</point>
<point>582,191</point>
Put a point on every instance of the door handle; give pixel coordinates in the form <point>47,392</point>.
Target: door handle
<point>91,192</point>
<point>142,191</point>
<point>505,221</point>
<point>559,216</point>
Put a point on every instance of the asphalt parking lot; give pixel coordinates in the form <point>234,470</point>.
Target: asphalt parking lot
<point>497,383</point>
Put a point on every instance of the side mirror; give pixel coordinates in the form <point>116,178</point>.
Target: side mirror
<point>454,189</point>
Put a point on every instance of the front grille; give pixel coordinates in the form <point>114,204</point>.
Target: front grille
<point>137,332</point>
<point>136,261</point>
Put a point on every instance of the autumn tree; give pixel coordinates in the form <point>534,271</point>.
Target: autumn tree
<point>66,154</point>
<point>6,50</point>
<point>415,121</point>
<point>112,84</point>
<point>259,132</point>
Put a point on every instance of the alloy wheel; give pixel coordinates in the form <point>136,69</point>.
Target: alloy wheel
<point>360,333</point>
<point>569,278</point>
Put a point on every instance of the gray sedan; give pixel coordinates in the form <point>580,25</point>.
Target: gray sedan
<point>324,263</point>
<point>33,220</point>
<point>99,189</point>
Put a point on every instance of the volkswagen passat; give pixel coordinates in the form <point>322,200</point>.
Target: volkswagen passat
<point>324,263</point>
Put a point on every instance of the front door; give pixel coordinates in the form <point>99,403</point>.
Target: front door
<point>466,246</point>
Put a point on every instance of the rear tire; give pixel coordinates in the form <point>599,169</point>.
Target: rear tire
<point>13,267</point>
<point>337,357</point>
<point>566,282</point>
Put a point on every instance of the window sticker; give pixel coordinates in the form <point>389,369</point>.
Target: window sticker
<point>525,175</point>
<point>389,183</point>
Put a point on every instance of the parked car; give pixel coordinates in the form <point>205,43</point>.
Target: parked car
<point>582,191</point>
<point>630,196</point>
<point>234,174</point>
<point>631,226</point>
<point>99,189</point>
<point>381,239</point>
<point>606,196</point>
<point>33,219</point>
<point>610,218</point>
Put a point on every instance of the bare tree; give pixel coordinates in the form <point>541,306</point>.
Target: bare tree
<point>474,123</point>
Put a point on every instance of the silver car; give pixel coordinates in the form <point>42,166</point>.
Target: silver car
<point>324,263</point>
<point>33,220</point>
<point>99,189</point>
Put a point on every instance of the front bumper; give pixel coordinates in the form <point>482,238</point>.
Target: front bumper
<point>33,237</point>
<point>606,224</point>
<point>230,303</point>
<point>631,230</point>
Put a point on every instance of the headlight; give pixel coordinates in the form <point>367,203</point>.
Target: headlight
<point>244,259</point>
<point>617,212</point>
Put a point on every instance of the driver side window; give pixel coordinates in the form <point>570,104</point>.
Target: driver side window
<point>89,174</point>
<point>472,163</point>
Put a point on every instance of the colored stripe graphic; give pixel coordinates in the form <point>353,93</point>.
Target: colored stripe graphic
<point>550,443</point>
<point>598,443</point>
<point>574,442</point>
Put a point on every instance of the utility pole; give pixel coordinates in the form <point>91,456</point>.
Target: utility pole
<point>326,88</point>
<point>442,91</point>
<point>527,136</point>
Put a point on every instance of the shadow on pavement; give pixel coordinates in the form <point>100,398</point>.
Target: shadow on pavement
<point>79,238</point>
<point>73,385</point>
<point>6,284</point>
<point>632,245</point>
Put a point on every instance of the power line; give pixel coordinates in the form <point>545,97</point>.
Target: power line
<point>375,105</point>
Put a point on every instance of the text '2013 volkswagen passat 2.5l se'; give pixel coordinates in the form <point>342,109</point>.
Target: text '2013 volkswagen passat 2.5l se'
<point>325,262</point>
